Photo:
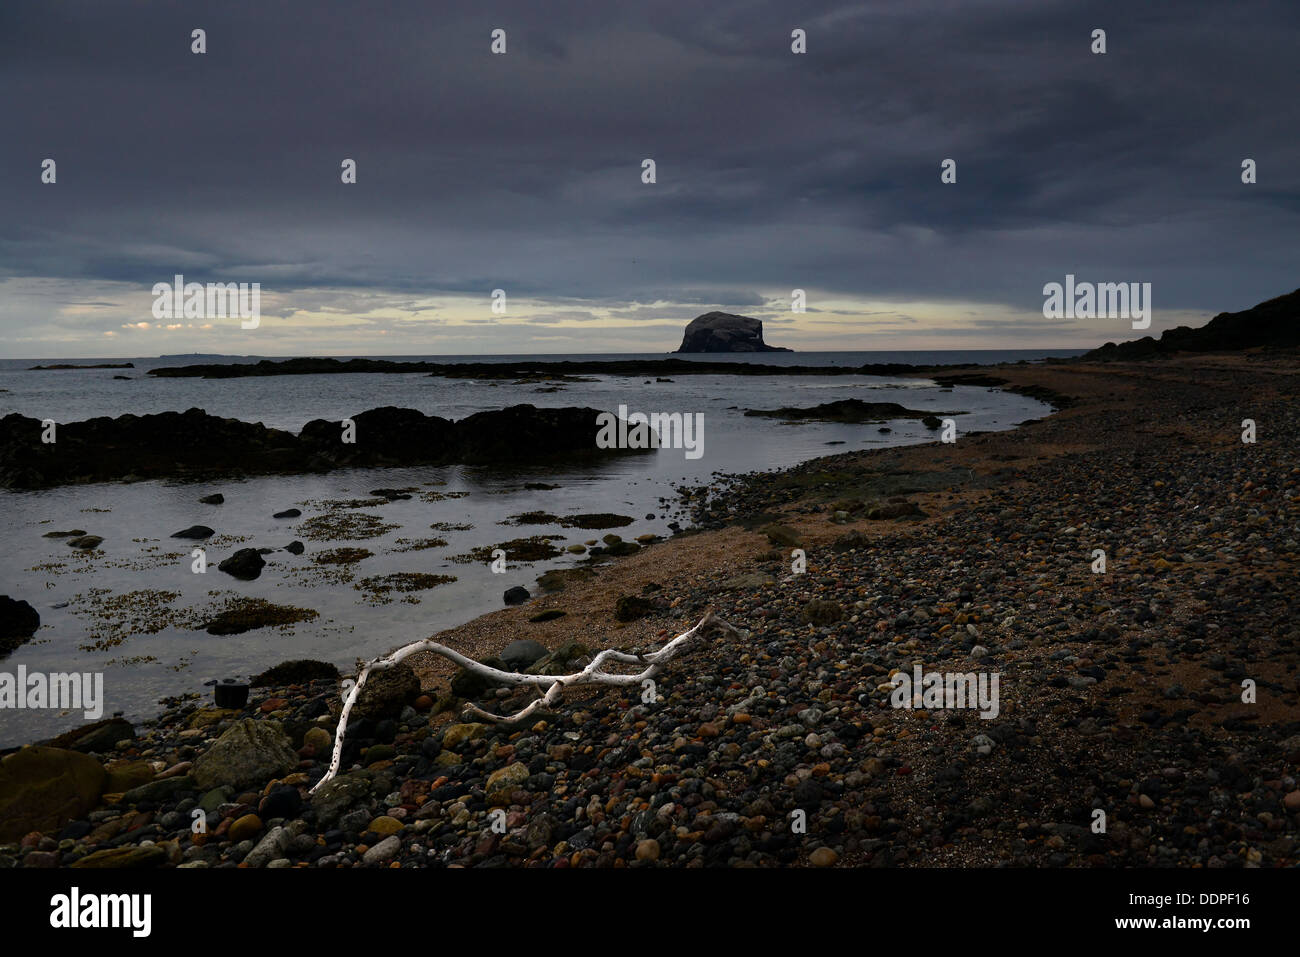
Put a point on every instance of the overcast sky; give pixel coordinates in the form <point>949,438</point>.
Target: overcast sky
<point>523,171</point>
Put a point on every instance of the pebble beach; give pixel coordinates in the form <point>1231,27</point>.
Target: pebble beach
<point>1159,697</point>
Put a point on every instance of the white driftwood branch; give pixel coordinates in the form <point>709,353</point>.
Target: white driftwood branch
<point>593,674</point>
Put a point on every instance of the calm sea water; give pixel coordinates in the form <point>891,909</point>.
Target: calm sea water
<point>129,609</point>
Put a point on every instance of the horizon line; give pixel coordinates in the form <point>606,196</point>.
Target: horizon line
<point>525,355</point>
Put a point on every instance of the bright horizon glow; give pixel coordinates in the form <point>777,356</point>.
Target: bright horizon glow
<point>95,319</point>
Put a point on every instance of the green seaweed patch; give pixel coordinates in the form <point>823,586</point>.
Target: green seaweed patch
<point>403,581</point>
<point>332,504</point>
<point>380,588</point>
<point>344,526</point>
<point>535,549</point>
<point>244,614</point>
<point>531,518</point>
<point>299,671</point>
<point>341,556</point>
<point>314,575</point>
<point>152,558</point>
<point>116,618</point>
<point>419,544</point>
<point>451,526</point>
<point>130,660</point>
<point>441,496</point>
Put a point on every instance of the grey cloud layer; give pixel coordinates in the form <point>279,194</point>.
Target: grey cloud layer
<point>775,171</point>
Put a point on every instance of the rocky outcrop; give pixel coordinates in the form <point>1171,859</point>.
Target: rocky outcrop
<point>383,436</point>
<point>1273,324</point>
<point>249,754</point>
<point>725,332</point>
<point>194,444</point>
<point>18,622</point>
<point>845,410</point>
<point>43,788</point>
<point>141,446</point>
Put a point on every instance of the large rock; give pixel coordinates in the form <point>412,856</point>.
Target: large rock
<point>248,754</point>
<point>502,782</point>
<point>99,736</point>
<point>523,654</point>
<point>457,735</point>
<point>274,845</point>
<point>386,693</point>
<point>194,531</point>
<point>469,684</point>
<point>18,622</point>
<point>383,852</point>
<point>563,660</point>
<point>41,789</point>
<point>725,332</point>
<point>247,564</point>
<point>339,794</point>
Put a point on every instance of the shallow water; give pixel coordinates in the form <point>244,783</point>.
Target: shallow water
<point>104,621</point>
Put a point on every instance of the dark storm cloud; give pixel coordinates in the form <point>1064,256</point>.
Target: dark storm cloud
<point>774,171</point>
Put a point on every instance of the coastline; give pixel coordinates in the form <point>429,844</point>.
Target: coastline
<point>1109,682</point>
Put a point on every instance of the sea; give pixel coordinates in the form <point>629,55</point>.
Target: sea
<point>133,609</point>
